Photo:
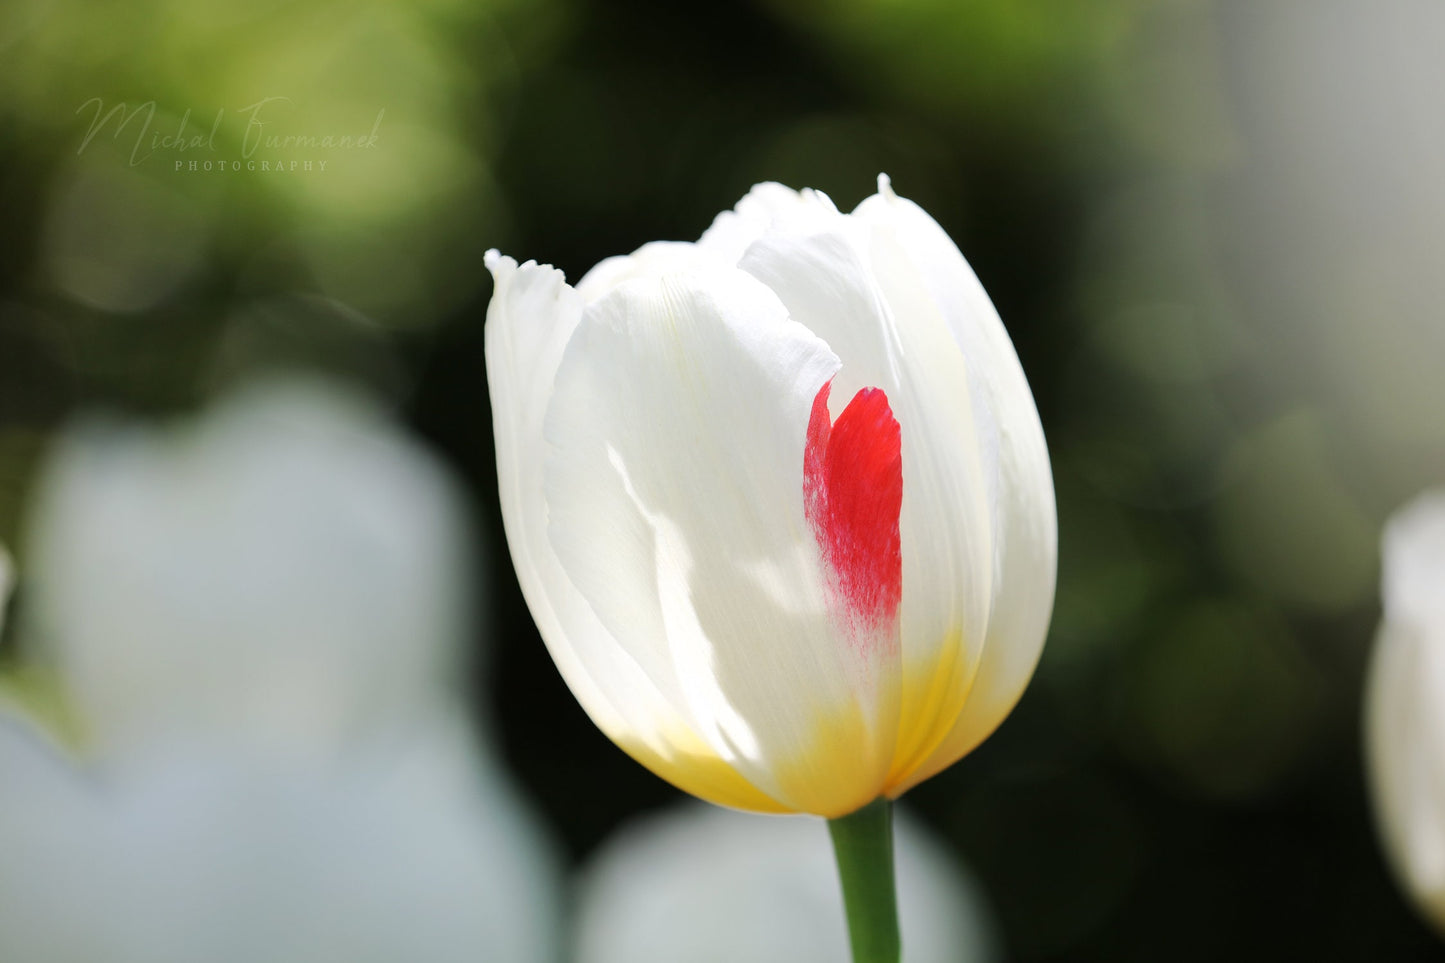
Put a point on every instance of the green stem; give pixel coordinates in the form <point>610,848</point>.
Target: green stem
<point>863,843</point>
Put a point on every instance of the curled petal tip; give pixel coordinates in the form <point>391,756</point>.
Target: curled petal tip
<point>504,266</point>
<point>885,187</point>
<point>494,259</point>
<point>814,195</point>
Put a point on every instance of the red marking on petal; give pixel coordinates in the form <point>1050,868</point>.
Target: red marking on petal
<point>852,495</point>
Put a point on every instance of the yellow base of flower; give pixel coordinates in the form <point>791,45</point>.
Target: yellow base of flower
<point>837,773</point>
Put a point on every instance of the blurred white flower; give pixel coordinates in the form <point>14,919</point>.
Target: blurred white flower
<point>706,885</point>
<point>1405,704</point>
<point>255,618</point>
<point>409,851</point>
<point>287,569</point>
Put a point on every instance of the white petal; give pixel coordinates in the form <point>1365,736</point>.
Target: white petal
<point>288,568</point>
<point>857,290</point>
<point>649,261</point>
<point>1015,463</point>
<point>699,885</point>
<point>56,866</point>
<point>1414,562</point>
<point>766,207</point>
<point>402,850</point>
<point>1405,705</point>
<point>722,245</point>
<point>533,315</point>
<point>675,489</point>
<point>1405,730</point>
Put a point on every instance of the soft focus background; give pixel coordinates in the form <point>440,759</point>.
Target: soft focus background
<point>1215,229</point>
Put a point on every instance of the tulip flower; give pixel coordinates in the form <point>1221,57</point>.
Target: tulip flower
<point>778,500</point>
<point>768,895</point>
<point>253,618</point>
<point>287,570</point>
<point>1405,705</point>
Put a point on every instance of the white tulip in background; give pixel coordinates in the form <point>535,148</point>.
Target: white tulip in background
<point>255,617</point>
<point>779,500</point>
<point>288,570</point>
<point>1405,704</point>
<point>705,885</point>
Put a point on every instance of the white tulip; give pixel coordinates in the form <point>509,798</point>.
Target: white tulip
<point>406,849</point>
<point>55,853</point>
<point>707,885</point>
<point>255,617</point>
<point>1405,704</point>
<point>287,568</point>
<point>779,500</point>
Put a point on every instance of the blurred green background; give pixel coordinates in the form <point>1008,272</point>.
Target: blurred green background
<point>1213,227</point>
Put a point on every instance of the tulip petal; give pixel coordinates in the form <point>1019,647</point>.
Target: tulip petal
<point>56,853</point>
<point>285,568</point>
<point>1414,562</point>
<point>652,260</point>
<point>697,884</point>
<point>766,207</point>
<point>1405,732</point>
<point>532,316</point>
<point>722,245</point>
<point>860,295</point>
<point>1404,714</point>
<point>675,486</point>
<point>1018,479</point>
